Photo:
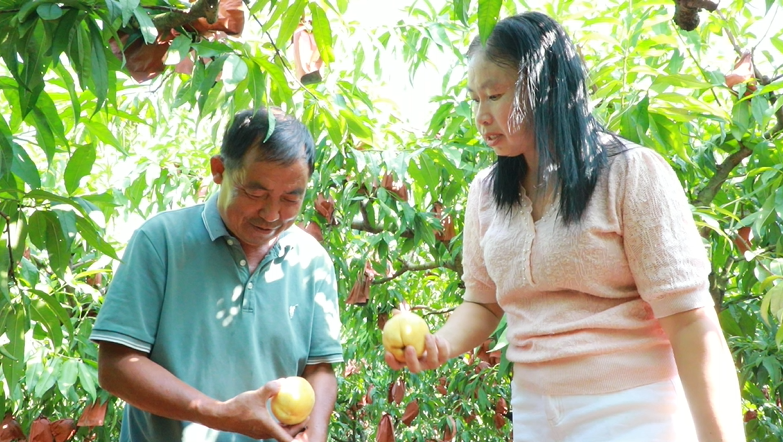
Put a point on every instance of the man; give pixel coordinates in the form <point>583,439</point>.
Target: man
<point>213,303</point>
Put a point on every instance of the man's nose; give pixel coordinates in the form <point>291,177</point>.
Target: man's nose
<point>270,212</point>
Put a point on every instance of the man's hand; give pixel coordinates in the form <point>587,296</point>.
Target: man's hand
<point>134,378</point>
<point>251,417</point>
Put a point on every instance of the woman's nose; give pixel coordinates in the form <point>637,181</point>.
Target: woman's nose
<point>483,117</point>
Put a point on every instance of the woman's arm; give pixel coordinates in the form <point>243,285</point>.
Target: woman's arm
<point>707,372</point>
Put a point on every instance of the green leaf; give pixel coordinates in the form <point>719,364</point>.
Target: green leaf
<point>49,11</point>
<point>146,26</point>
<point>256,85</point>
<point>67,79</point>
<point>24,167</point>
<point>129,8</point>
<point>68,375</point>
<point>178,50</point>
<point>56,246</point>
<point>779,337</point>
<point>37,226</point>
<point>761,110</point>
<point>62,315</point>
<point>43,132</point>
<point>209,81</point>
<point>765,214</point>
<point>333,127</point>
<point>78,54</point>
<point>272,122</point>
<point>33,47</point>
<point>488,14</point>
<point>322,33</point>
<point>14,363</point>
<point>43,314</point>
<point>234,72</point>
<point>277,75</point>
<point>740,119</point>
<point>93,238</point>
<point>461,10</point>
<point>39,194</point>
<point>99,132</point>
<point>291,19</point>
<point>779,202</point>
<point>681,80</point>
<point>280,6</point>
<point>356,126</point>
<point>46,110</point>
<point>207,49</point>
<point>67,220</point>
<point>79,166</point>
<point>7,154</point>
<point>87,378</point>
<point>729,324</point>
<point>100,71</point>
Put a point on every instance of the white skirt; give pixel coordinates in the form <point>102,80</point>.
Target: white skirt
<point>651,413</point>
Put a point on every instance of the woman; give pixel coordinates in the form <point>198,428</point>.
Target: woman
<point>587,244</point>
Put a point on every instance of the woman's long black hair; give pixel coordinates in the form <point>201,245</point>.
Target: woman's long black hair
<point>551,90</point>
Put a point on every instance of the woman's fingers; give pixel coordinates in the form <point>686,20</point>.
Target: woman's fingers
<point>436,353</point>
<point>392,362</point>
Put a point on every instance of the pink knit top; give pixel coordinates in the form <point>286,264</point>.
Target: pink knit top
<point>581,301</point>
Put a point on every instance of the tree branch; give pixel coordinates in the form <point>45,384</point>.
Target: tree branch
<point>686,12</point>
<point>416,268</point>
<point>11,274</point>
<point>707,194</point>
<point>432,311</point>
<point>207,9</point>
<point>762,79</point>
<point>364,224</point>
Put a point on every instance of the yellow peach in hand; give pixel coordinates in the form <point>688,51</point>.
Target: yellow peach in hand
<point>404,329</point>
<point>294,402</point>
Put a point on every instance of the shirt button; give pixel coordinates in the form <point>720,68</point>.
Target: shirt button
<point>242,262</point>
<point>249,285</point>
<point>230,242</point>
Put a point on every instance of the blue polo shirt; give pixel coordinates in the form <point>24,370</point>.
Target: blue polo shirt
<point>184,294</point>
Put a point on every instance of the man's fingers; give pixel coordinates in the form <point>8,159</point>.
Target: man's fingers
<point>269,389</point>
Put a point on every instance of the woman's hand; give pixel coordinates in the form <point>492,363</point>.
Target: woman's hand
<point>436,353</point>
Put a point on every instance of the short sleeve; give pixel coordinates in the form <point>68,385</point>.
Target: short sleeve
<point>325,344</point>
<point>478,284</point>
<point>664,249</point>
<point>131,309</point>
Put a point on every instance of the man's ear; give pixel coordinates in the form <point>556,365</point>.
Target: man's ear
<point>218,168</point>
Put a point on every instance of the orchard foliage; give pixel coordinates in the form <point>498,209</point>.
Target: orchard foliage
<point>87,152</point>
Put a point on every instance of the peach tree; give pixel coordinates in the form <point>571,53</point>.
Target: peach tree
<point>111,110</point>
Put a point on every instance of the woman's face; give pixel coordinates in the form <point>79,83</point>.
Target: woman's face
<point>492,90</point>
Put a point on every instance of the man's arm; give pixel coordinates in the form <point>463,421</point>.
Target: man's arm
<point>324,382</point>
<point>134,378</point>
<point>708,374</point>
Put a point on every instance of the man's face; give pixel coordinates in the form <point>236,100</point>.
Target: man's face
<point>262,200</point>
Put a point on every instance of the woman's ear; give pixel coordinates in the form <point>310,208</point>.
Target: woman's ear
<point>218,168</point>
